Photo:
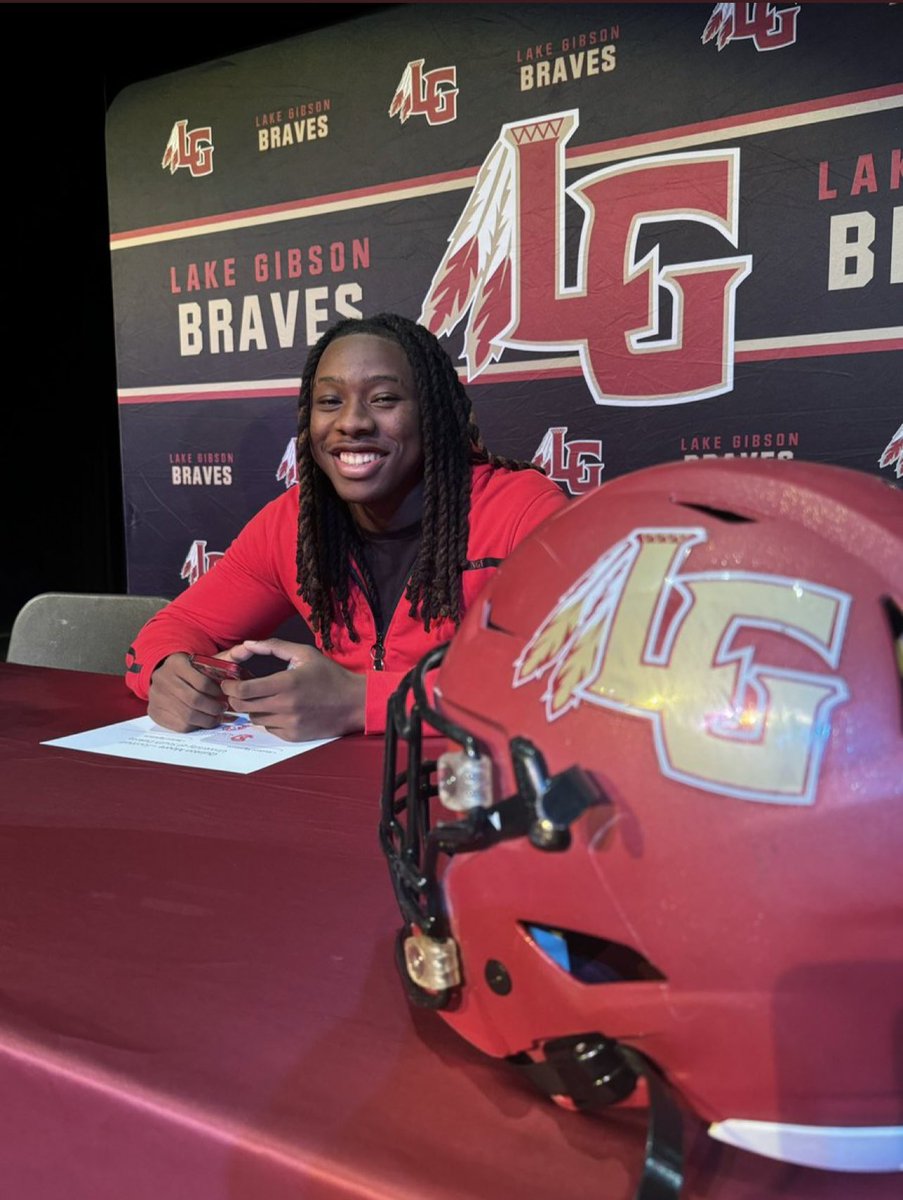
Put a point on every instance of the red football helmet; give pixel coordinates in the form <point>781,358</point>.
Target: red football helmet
<point>675,844</point>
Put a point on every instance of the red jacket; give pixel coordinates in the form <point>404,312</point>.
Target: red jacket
<point>252,589</point>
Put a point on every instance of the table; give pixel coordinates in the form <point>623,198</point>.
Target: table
<point>198,999</point>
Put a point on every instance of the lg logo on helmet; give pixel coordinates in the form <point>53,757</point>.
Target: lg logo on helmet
<point>640,635</point>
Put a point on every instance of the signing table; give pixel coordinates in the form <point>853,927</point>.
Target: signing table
<point>198,999</point>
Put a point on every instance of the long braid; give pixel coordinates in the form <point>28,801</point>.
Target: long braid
<point>328,540</point>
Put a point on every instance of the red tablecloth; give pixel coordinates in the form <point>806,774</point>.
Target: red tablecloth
<point>198,999</point>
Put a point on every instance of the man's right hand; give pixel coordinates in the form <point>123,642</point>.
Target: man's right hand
<point>182,699</point>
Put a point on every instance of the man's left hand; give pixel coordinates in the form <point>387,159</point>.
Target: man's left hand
<point>312,698</point>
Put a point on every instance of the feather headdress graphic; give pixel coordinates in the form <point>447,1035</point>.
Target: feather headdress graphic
<point>893,453</point>
<point>504,274</point>
<point>720,25</point>
<point>475,272</point>
<point>571,640</point>
<point>403,100</point>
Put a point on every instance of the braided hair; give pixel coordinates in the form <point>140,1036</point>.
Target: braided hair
<point>328,538</point>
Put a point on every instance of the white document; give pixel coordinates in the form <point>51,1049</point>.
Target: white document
<point>236,745</point>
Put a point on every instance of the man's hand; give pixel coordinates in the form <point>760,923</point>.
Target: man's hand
<point>312,698</point>
<point>182,698</point>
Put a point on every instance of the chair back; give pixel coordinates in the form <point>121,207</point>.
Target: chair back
<point>79,632</point>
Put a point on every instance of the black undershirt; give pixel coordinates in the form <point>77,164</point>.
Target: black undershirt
<point>390,557</point>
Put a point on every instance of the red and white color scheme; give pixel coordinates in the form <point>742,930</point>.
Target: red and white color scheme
<point>660,270</point>
<point>191,148</point>
<point>287,470</point>
<point>768,26</point>
<point>198,561</point>
<point>504,267</point>
<point>430,94</point>
<point>727,937</point>
<point>893,453</point>
<point>575,463</point>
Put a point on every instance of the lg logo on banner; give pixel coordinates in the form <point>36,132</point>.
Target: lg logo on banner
<point>189,148</point>
<point>893,453</point>
<point>430,94</point>
<point>576,463</point>
<point>287,470</point>
<point>769,27</point>
<point>198,562</point>
<point>646,333</point>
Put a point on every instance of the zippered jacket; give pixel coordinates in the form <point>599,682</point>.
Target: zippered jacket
<point>253,589</point>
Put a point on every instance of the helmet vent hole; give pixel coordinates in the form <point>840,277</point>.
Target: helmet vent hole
<point>720,514</point>
<point>895,619</point>
<point>590,959</point>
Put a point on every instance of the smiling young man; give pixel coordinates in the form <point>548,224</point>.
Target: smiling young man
<point>398,520</point>
<point>365,431</point>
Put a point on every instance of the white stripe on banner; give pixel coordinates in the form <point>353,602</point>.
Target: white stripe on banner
<point>849,341</point>
<point>830,108</point>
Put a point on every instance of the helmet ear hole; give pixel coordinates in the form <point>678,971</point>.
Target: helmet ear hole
<point>688,688</point>
<point>592,960</point>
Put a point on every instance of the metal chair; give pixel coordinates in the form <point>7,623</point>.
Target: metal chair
<point>79,632</point>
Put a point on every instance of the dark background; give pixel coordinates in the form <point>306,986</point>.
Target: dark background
<point>64,65</point>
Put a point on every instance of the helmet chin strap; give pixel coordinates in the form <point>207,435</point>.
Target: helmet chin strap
<point>595,1072</point>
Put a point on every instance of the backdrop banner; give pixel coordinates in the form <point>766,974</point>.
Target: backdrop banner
<point>643,232</point>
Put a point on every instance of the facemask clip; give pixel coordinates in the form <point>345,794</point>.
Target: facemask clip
<point>430,963</point>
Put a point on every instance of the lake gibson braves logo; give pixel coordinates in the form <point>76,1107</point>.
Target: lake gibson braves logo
<point>288,467</point>
<point>189,148</point>
<point>575,462</point>
<point>769,27</point>
<point>198,561</point>
<point>639,635</point>
<point>893,453</point>
<point>505,265</point>
<point>430,94</point>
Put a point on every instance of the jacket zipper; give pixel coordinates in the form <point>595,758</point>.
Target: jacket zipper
<point>378,649</point>
<point>378,652</point>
